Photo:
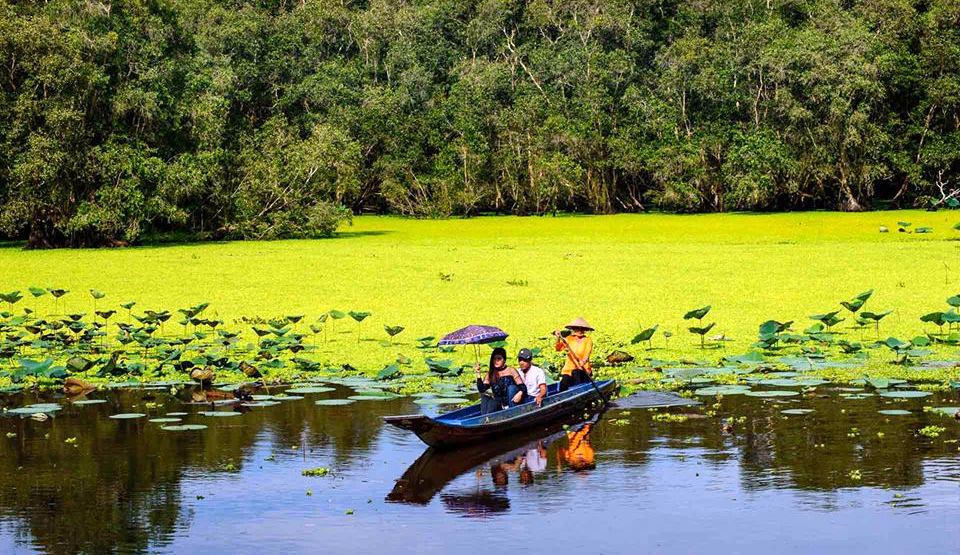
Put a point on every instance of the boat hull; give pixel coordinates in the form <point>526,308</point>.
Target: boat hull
<point>467,426</point>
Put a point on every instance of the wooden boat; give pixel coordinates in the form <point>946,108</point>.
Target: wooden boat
<point>467,425</point>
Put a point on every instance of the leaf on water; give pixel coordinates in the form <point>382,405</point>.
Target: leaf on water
<point>772,393</point>
<point>334,402</point>
<point>220,413</point>
<point>796,411</point>
<point>311,389</point>
<point>722,390</point>
<point>164,420</point>
<point>905,394</point>
<point>127,416</point>
<point>184,428</point>
<point>372,397</point>
<point>894,412</point>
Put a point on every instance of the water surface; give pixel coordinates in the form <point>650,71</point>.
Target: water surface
<point>748,479</point>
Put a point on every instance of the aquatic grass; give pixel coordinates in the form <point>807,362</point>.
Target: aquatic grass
<point>399,258</point>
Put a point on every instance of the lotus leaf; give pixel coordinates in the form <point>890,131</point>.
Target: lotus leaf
<point>220,413</point>
<point>262,404</point>
<point>336,314</point>
<point>393,330</point>
<point>89,401</point>
<point>333,402</point>
<point>722,390</point>
<point>644,335</point>
<point>894,412</point>
<point>164,420</point>
<point>905,394</point>
<point>946,411</point>
<point>796,411</point>
<point>697,313</point>
<point>310,389</point>
<point>184,428</point>
<point>371,397</point>
<point>35,409</point>
<point>772,393</point>
<point>389,372</point>
<point>127,416</point>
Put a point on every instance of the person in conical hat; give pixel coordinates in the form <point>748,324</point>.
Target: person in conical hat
<point>576,369</point>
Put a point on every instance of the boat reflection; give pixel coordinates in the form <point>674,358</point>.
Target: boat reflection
<point>518,458</point>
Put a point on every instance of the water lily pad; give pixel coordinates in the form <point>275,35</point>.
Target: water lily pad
<point>905,394</point>
<point>177,413</point>
<point>310,389</point>
<point>35,409</point>
<point>796,411</point>
<point>183,427</point>
<point>895,412</point>
<point>371,398</point>
<point>262,404</point>
<point>89,401</point>
<point>334,402</point>
<point>220,413</point>
<point>780,382</point>
<point>165,420</point>
<point>722,390</point>
<point>261,397</point>
<point>772,393</point>
<point>441,401</point>
<point>947,411</point>
<point>127,416</point>
<point>288,398</point>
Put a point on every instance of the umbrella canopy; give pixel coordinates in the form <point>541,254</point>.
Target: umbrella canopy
<point>471,335</point>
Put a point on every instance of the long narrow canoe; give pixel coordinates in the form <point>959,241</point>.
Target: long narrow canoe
<point>467,425</point>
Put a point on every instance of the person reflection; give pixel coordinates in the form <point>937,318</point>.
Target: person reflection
<point>578,453</point>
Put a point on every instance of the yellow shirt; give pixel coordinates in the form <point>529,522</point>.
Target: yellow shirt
<point>578,453</point>
<point>580,348</point>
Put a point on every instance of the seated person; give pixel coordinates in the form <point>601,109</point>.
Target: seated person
<point>534,378</point>
<point>502,386</point>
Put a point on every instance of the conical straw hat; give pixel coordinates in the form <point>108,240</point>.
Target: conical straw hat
<point>579,323</point>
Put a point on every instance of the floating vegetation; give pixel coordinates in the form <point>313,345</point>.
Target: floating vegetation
<point>89,402</point>
<point>905,394</point>
<point>39,408</point>
<point>796,412</point>
<point>165,420</point>
<point>127,416</point>
<point>931,431</point>
<point>669,417</point>
<point>184,428</point>
<point>772,393</point>
<point>895,412</point>
<point>219,413</point>
<point>310,389</point>
<point>334,402</point>
<point>723,390</point>
<point>315,472</point>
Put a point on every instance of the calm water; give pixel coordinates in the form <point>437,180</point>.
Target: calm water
<point>840,479</point>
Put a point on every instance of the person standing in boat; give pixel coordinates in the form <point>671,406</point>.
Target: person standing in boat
<point>576,369</point>
<point>534,378</point>
<point>502,386</point>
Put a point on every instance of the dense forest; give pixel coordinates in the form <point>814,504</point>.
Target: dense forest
<point>273,118</point>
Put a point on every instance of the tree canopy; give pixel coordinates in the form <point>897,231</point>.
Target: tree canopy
<point>279,118</point>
